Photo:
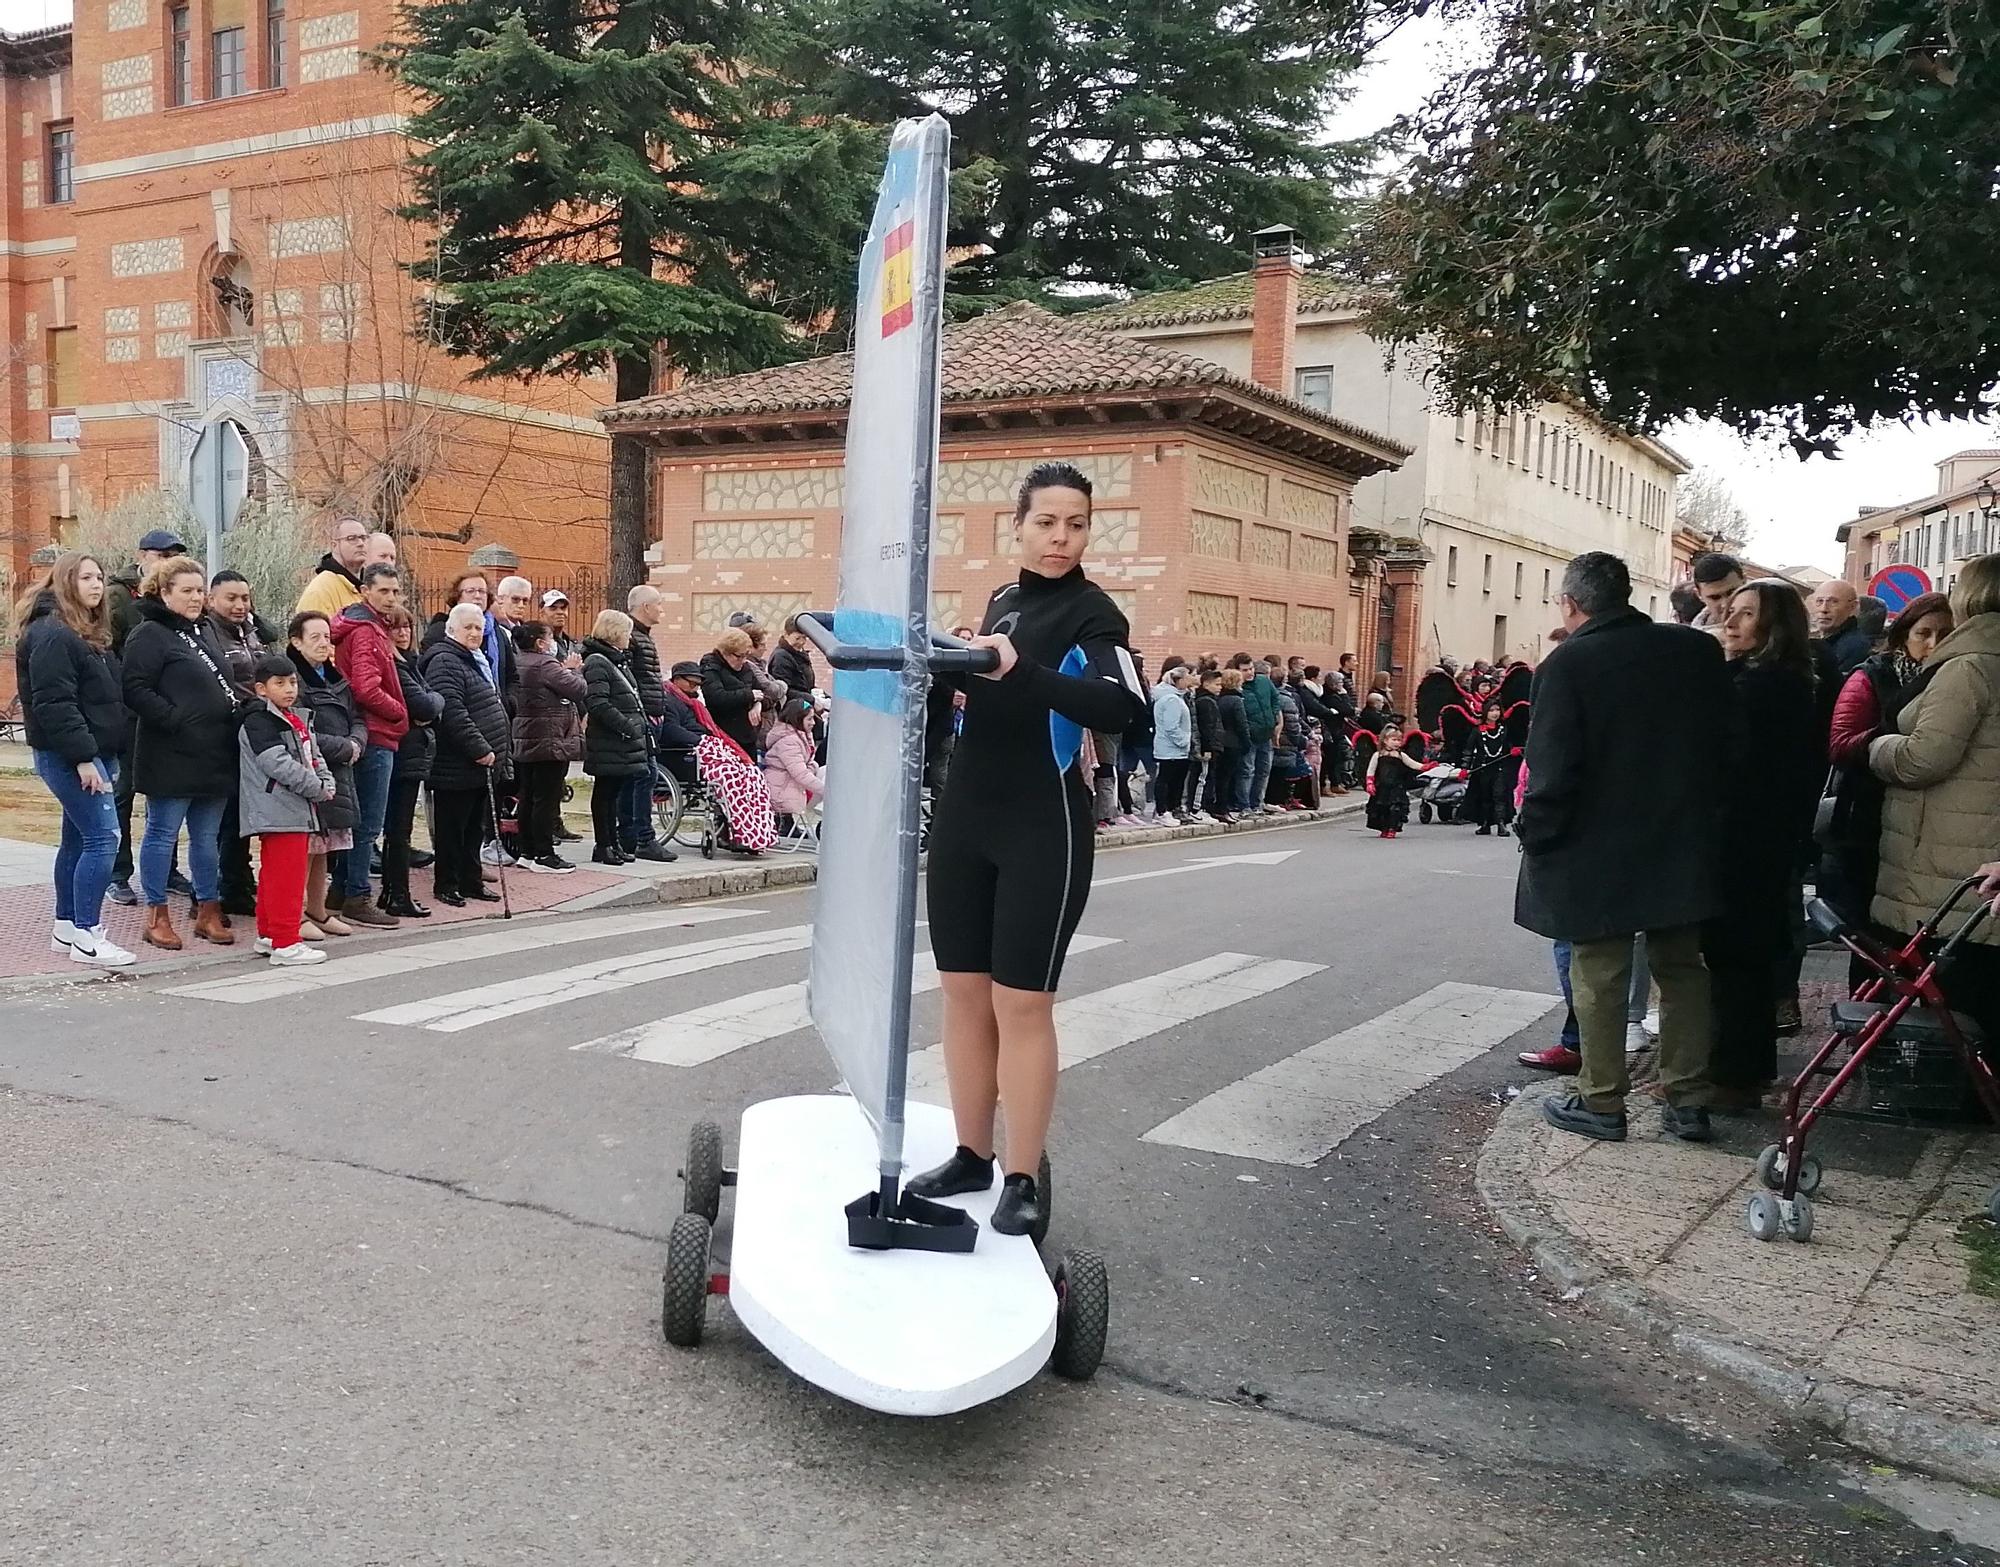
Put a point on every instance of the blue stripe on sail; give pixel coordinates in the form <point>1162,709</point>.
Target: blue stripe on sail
<point>879,690</point>
<point>1065,735</point>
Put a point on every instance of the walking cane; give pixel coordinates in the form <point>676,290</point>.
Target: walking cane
<point>493,806</point>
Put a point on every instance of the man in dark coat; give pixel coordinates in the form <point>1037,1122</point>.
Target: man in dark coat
<point>1630,743</point>
<point>680,729</point>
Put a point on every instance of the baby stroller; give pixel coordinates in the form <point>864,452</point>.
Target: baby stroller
<point>1444,794</point>
<point>1901,1010</point>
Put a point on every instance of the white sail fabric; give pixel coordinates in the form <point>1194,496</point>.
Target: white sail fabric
<point>864,926</point>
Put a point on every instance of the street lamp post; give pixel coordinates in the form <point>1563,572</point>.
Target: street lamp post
<point>1988,503</point>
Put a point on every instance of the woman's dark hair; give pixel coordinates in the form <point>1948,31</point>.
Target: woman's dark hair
<point>528,635</point>
<point>270,667</point>
<point>1906,621</point>
<point>795,712</point>
<point>1783,637</point>
<point>301,620</point>
<point>1049,476</point>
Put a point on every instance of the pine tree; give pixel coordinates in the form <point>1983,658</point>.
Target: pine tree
<point>608,179</point>
<point>1106,146</point>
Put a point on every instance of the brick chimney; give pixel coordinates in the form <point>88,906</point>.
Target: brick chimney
<point>1274,307</point>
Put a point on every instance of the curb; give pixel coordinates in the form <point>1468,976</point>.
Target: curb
<point>741,880</point>
<point>1949,1447</point>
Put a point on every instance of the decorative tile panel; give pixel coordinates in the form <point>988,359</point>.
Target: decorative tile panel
<point>1270,546</point>
<point>283,334</point>
<point>1313,625</point>
<point>227,378</point>
<point>308,236</point>
<point>31,182</point>
<point>768,538</point>
<point>284,304</point>
<point>329,64</point>
<point>1264,622</point>
<point>1303,504</point>
<point>169,345</point>
<point>337,312</point>
<point>1003,533</point>
<point>973,481</point>
<point>1219,537</point>
<point>318,32</point>
<point>121,350</point>
<point>1219,483</point>
<point>128,103</point>
<point>145,257</point>
<point>172,313</point>
<point>1314,556</point>
<point>773,489</point>
<point>122,15</point>
<point>948,534</point>
<point>121,319</point>
<point>947,609</point>
<point>712,610</point>
<point>1114,530</point>
<point>1211,615</point>
<point>129,72</point>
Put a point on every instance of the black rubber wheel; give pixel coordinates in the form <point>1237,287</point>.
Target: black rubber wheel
<point>1083,1315</point>
<point>701,1177</point>
<point>1424,812</point>
<point>708,846</point>
<point>1045,1192</point>
<point>684,1286</point>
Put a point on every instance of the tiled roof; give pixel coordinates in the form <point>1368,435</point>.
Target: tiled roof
<point>1019,353</point>
<point>1218,299</point>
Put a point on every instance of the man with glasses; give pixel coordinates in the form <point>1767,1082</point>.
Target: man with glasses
<point>337,582</point>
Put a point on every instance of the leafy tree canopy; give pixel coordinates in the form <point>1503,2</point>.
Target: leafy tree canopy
<point>1780,214</point>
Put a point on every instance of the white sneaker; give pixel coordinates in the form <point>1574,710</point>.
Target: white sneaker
<point>62,936</point>
<point>1635,1038</point>
<point>1651,1024</point>
<point>96,948</point>
<point>297,956</point>
<point>263,948</point>
<point>493,854</point>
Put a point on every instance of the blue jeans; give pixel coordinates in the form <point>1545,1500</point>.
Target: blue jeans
<point>371,794</point>
<point>635,810</point>
<point>89,838</point>
<point>1571,1037</point>
<point>156,850</point>
<point>1239,783</point>
<point>1260,777</point>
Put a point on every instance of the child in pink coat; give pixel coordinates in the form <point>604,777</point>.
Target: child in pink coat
<point>791,774</point>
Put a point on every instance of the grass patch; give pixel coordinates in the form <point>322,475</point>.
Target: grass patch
<point>1980,1237</point>
<point>28,811</point>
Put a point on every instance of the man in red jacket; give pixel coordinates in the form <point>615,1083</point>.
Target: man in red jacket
<point>365,654</point>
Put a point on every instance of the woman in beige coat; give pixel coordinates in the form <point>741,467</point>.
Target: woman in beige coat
<point>1941,817</point>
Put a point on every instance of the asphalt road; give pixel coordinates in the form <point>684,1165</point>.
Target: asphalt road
<point>284,1285</point>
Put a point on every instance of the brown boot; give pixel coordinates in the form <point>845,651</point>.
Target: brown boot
<point>160,928</point>
<point>209,925</point>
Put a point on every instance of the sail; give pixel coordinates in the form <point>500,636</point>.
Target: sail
<point>864,924</point>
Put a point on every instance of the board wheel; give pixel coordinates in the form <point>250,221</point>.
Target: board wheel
<point>1045,1193</point>
<point>1760,1216</point>
<point>1083,1315</point>
<point>1424,812</point>
<point>1810,1175</point>
<point>708,846</point>
<point>1796,1219</point>
<point>684,1286</point>
<point>1770,1167</point>
<point>701,1177</point>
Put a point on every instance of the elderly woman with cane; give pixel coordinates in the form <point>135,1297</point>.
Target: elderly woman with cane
<point>473,751</point>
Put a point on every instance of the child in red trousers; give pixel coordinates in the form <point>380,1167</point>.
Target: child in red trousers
<point>281,782</point>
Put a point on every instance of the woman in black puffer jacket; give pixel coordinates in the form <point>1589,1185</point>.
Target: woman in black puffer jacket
<point>473,754</point>
<point>614,739</point>
<point>343,740</point>
<point>74,715</point>
<point>732,691</point>
<point>406,780</point>
<point>184,756</point>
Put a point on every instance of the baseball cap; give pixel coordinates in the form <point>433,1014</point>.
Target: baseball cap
<point>554,597</point>
<point>686,669</point>
<point>161,542</point>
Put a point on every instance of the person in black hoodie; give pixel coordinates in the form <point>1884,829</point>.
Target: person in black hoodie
<point>1233,767</point>
<point>473,745</point>
<point>792,662</point>
<point>121,593</point>
<point>342,735</point>
<point>244,637</point>
<point>75,720</point>
<point>1209,739</point>
<point>645,605</point>
<point>184,754</point>
<point>615,749</point>
<point>406,780</point>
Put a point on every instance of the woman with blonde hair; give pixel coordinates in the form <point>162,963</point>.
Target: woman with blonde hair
<point>1942,768</point>
<point>732,690</point>
<point>615,752</point>
<point>76,723</point>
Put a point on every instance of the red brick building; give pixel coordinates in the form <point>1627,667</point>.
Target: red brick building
<point>199,223</point>
<point>1222,507</point>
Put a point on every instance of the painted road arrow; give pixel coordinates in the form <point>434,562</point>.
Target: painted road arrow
<point>1206,863</point>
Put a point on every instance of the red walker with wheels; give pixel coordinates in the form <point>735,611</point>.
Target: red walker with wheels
<point>1903,1004</point>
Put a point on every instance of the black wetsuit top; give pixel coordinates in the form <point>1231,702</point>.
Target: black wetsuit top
<point>1012,841</point>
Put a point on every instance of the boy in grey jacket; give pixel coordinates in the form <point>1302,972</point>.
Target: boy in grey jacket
<point>281,781</point>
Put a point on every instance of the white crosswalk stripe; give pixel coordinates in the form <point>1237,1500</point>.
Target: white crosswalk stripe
<point>1298,1110</point>
<point>269,985</point>
<point>463,1009</point>
<point>706,1033</point>
<point>1091,1025</point>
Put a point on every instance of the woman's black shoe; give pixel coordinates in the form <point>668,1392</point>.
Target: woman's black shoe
<point>1019,1210</point>
<point>483,896</point>
<point>963,1172</point>
<point>403,907</point>
<point>450,900</point>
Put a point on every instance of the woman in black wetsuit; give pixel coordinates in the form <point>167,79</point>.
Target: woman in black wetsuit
<point>1011,841</point>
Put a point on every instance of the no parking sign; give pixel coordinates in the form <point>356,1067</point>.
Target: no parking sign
<point>1895,586</point>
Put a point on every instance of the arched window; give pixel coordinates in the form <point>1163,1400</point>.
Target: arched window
<point>230,300</point>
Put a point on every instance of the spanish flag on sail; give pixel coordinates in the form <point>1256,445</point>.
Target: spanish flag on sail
<point>898,299</point>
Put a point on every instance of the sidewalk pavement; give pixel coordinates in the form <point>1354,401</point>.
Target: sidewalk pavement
<point>1870,1329</point>
<point>27,901</point>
